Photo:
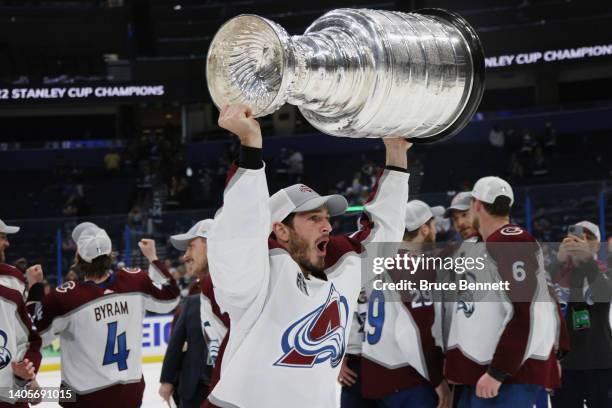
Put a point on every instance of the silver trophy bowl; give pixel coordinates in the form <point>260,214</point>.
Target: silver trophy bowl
<point>355,72</point>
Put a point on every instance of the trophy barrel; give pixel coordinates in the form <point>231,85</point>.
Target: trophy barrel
<point>355,72</point>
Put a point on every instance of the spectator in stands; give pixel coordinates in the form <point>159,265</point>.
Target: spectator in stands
<point>112,162</point>
<point>76,205</point>
<point>497,137</point>
<point>584,287</point>
<point>179,195</point>
<point>549,140</point>
<point>136,218</point>
<point>295,166</point>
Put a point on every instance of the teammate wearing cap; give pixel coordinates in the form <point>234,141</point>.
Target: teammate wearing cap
<point>290,298</point>
<point>99,321</point>
<point>19,343</point>
<point>214,324</point>
<point>502,348</point>
<point>460,215</point>
<point>401,364</point>
<point>584,287</point>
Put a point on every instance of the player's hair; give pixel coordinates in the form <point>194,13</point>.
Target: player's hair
<point>288,221</point>
<point>410,235</point>
<point>98,267</point>
<point>500,207</point>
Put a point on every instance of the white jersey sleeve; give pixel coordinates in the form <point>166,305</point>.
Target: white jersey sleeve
<point>238,242</point>
<point>386,208</point>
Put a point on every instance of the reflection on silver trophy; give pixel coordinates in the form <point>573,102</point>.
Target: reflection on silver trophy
<point>355,72</point>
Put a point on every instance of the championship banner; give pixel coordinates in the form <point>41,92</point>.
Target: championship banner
<point>155,337</point>
<point>79,93</point>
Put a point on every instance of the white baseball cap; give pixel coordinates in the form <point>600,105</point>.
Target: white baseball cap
<point>92,243</point>
<point>82,227</point>
<point>487,189</point>
<point>592,228</point>
<point>301,198</point>
<point>199,229</point>
<point>7,229</point>
<point>460,202</point>
<point>418,213</point>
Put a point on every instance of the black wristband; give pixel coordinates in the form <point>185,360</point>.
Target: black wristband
<point>36,293</point>
<point>20,382</point>
<point>403,170</point>
<point>250,158</point>
<point>498,374</point>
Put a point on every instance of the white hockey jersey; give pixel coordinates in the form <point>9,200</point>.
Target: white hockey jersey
<point>399,350</point>
<point>288,334</point>
<point>17,339</point>
<point>511,331</point>
<point>100,327</point>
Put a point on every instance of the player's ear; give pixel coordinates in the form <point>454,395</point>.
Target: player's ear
<point>424,230</point>
<point>281,231</point>
<point>476,206</point>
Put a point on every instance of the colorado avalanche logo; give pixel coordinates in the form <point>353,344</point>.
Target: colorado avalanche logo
<point>467,307</point>
<point>5,354</point>
<point>317,337</point>
<point>465,299</point>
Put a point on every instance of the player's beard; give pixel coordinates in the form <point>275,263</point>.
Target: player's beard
<point>475,223</point>
<point>299,251</point>
<point>2,257</point>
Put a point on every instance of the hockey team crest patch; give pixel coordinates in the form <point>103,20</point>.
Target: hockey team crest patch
<point>5,354</point>
<point>317,337</point>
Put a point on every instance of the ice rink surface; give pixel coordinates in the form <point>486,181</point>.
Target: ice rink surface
<point>150,399</point>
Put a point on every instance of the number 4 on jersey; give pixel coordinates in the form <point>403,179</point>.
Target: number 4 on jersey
<point>121,356</point>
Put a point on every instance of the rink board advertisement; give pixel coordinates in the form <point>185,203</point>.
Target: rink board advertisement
<point>155,337</point>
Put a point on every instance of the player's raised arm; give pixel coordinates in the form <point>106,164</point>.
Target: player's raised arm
<point>48,316</point>
<point>238,241</point>
<point>385,209</point>
<point>161,287</point>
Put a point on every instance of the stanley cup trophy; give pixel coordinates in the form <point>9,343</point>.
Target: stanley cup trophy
<point>355,72</point>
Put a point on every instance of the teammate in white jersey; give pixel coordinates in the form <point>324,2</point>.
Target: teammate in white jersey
<point>401,364</point>
<point>99,322</point>
<point>19,344</point>
<point>290,298</point>
<point>214,323</point>
<point>501,344</point>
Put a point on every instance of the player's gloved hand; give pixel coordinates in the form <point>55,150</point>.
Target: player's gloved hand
<point>147,247</point>
<point>165,391</point>
<point>444,395</point>
<point>487,386</point>
<point>347,377</point>
<point>34,274</point>
<point>24,369</point>
<point>397,147</point>
<point>239,120</point>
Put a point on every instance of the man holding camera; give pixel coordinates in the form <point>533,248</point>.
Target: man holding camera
<point>584,287</point>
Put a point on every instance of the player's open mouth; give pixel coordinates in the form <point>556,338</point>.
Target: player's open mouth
<point>321,246</point>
